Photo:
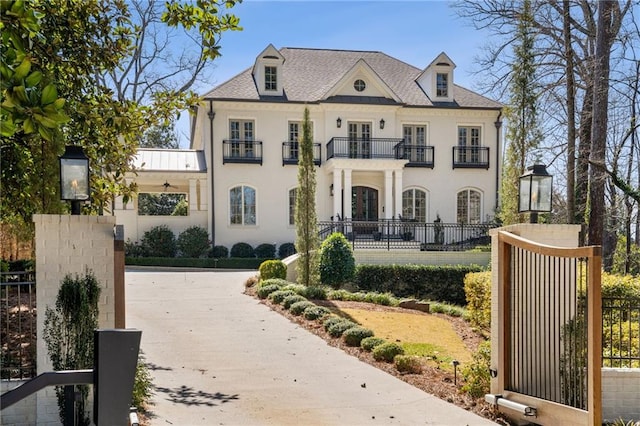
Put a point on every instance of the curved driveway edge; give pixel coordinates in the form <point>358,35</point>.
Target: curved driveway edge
<point>219,357</point>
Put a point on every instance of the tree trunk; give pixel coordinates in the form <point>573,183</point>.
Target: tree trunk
<point>597,155</point>
<point>571,115</point>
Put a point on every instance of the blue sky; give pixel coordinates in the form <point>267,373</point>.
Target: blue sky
<point>412,31</point>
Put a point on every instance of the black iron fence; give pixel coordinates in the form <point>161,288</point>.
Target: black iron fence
<point>365,148</point>
<point>471,157</point>
<point>620,333</point>
<point>241,151</point>
<point>18,331</point>
<point>291,152</point>
<point>400,234</point>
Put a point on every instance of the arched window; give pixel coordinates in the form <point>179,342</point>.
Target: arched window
<point>242,205</point>
<point>414,204</point>
<point>292,205</point>
<point>469,206</point>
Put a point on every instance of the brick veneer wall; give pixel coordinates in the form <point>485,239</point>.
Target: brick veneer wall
<point>22,413</point>
<point>70,245</point>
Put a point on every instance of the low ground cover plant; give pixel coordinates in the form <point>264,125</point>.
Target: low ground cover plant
<point>368,343</point>
<point>290,300</point>
<point>279,295</point>
<point>316,313</point>
<point>298,308</point>
<point>408,364</point>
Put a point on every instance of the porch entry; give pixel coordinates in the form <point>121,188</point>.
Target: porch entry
<point>364,207</point>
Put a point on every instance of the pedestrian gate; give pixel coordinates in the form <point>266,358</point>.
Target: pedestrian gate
<point>549,327</point>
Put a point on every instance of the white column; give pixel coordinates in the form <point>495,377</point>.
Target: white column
<point>193,195</point>
<point>388,194</point>
<point>337,192</point>
<point>398,194</point>
<point>347,194</point>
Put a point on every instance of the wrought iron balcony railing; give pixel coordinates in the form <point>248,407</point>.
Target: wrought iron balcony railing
<point>409,234</point>
<point>368,148</point>
<point>241,151</point>
<point>471,157</point>
<point>419,155</point>
<point>291,151</point>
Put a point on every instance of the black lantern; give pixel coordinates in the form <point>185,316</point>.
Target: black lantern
<point>74,177</point>
<point>535,191</point>
<point>382,123</point>
<point>339,122</point>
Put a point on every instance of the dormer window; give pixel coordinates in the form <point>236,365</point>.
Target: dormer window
<point>270,78</point>
<point>442,85</point>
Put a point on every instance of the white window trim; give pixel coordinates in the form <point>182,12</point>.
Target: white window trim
<point>427,199</point>
<point>468,188</point>
<point>241,225</point>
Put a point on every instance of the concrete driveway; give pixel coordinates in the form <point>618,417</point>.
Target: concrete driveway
<point>219,357</point>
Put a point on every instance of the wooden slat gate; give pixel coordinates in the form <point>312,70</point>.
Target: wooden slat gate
<point>550,332</point>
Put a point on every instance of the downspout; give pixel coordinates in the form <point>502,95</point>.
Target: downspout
<point>211,116</point>
<point>498,125</point>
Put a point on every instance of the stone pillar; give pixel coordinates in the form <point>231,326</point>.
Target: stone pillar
<point>70,245</point>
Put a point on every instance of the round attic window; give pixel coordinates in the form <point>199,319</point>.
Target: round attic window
<point>359,85</point>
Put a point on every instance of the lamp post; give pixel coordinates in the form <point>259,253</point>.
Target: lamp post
<point>74,177</point>
<point>535,192</point>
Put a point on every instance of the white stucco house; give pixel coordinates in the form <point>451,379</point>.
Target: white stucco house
<point>391,140</point>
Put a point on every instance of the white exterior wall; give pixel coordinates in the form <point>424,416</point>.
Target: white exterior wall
<point>273,181</point>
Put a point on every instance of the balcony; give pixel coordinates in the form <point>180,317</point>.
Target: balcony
<point>290,152</point>
<point>365,148</point>
<point>470,157</point>
<point>419,156</point>
<point>241,151</point>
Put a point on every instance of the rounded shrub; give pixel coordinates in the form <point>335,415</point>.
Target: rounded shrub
<point>387,351</point>
<point>277,281</point>
<point>316,312</point>
<point>290,300</point>
<point>354,335</point>
<point>368,343</point>
<point>272,269</point>
<point>279,295</point>
<point>298,308</point>
<point>193,242</point>
<point>333,319</point>
<point>296,288</point>
<point>264,291</point>
<point>314,292</point>
<point>408,364</point>
<point>266,251</point>
<point>159,241</point>
<point>286,250</point>
<point>219,252</point>
<point>337,264</point>
<point>337,329</point>
<point>242,250</point>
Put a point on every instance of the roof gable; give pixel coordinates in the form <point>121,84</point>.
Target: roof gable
<point>361,71</point>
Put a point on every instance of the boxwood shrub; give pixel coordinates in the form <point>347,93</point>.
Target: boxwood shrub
<point>299,307</point>
<point>286,250</point>
<point>242,250</point>
<point>219,252</point>
<point>340,327</point>
<point>290,300</point>
<point>159,241</point>
<point>272,269</point>
<point>193,242</point>
<point>354,335</point>
<point>408,364</point>
<point>368,343</point>
<point>265,290</point>
<point>278,296</point>
<point>316,312</point>
<point>315,292</point>
<point>333,319</point>
<point>432,282</point>
<point>387,351</point>
<point>477,287</point>
<point>266,251</point>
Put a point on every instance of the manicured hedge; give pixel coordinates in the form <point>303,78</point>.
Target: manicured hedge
<point>443,283</point>
<point>186,262</point>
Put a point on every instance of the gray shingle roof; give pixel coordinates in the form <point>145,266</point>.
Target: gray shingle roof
<point>309,74</point>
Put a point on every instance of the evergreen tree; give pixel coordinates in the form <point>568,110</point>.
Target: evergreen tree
<point>523,133</point>
<point>306,218</point>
